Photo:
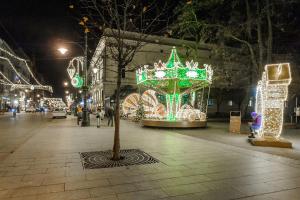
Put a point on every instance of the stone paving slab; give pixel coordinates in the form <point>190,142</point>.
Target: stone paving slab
<point>48,166</point>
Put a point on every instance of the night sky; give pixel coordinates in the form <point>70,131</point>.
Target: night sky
<point>38,27</point>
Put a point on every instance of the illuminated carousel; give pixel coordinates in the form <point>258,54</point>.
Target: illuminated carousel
<point>168,85</point>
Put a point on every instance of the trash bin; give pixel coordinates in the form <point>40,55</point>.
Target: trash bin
<point>235,122</point>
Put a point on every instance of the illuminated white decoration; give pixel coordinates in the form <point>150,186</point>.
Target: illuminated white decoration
<point>75,66</point>
<point>191,74</point>
<point>22,60</point>
<point>150,103</point>
<point>71,71</point>
<point>18,85</point>
<point>14,69</point>
<point>191,65</point>
<point>209,72</point>
<point>152,108</point>
<point>187,112</point>
<point>32,87</point>
<point>6,80</point>
<point>131,104</point>
<point>271,93</point>
<point>53,103</point>
<point>160,74</point>
<point>159,65</point>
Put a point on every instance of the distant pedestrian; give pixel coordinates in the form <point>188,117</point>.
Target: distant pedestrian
<point>98,116</point>
<point>110,115</point>
<point>79,114</point>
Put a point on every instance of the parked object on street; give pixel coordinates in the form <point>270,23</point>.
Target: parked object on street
<point>235,122</point>
<point>59,113</point>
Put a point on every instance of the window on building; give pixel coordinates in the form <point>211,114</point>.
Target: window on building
<point>210,102</point>
<point>250,104</point>
<point>230,103</point>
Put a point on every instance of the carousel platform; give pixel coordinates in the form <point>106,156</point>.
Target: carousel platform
<point>174,124</point>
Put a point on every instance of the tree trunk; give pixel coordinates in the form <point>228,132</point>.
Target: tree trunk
<point>270,33</point>
<point>245,102</point>
<point>259,39</point>
<point>116,147</point>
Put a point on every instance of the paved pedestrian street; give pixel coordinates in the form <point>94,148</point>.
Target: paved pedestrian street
<point>44,163</point>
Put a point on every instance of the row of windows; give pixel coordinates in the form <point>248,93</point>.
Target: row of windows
<point>211,102</point>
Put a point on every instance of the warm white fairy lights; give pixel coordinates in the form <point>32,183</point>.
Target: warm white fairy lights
<point>23,60</point>
<point>271,93</point>
<point>14,69</point>
<point>5,78</point>
<point>18,85</point>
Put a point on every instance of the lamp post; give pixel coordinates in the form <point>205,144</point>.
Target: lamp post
<point>85,115</point>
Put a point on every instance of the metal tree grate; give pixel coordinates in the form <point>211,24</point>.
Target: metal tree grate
<point>102,159</point>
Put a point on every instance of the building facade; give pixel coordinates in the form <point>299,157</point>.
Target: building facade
<point>9,65</point>
<point>103,76</point>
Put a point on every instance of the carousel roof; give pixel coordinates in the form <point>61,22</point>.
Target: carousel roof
<point>174,76</point>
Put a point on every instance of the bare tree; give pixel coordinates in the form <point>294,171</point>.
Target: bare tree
<point>118,18</point>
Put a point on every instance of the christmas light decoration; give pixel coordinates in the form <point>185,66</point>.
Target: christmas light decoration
<point>151,107</point>
<point>131,104</point>
<point>74,68</point>
<point>271,93</point>
<point>174,79</point>
<point>77,81</point>
<point>18,85</point>
<point>22,60</point>
<point>14,69</point>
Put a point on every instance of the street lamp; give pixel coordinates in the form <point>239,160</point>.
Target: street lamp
<point>66,84</point>
<point>67,92</point>
<point>85,117</point>
<point>95,70</point>
<point>62,50</point>
<point>38,95</point>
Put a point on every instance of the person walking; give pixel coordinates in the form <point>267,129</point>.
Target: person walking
<point>98,117</point>
<point>79,114</point>
<point>110,115</point>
